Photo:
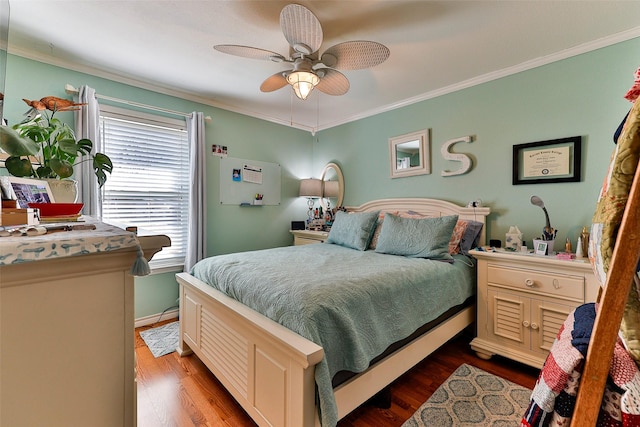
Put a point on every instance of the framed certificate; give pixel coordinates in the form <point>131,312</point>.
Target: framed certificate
<point>546,162</point>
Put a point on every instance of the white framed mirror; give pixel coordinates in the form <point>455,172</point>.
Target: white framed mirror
<point>333,186</point>
<point>409,154</point>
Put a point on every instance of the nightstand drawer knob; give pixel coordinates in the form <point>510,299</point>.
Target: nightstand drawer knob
<point>534,326</point>
<point>525,324</point>
<point>529,283</point>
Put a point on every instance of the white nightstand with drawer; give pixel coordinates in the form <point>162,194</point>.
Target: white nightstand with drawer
<point>523,299</point>
<point>306,237</point>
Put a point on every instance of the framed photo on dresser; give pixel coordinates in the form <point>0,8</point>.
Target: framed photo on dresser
<point>27,190</point>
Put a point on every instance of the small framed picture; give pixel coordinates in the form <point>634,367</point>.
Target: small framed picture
<point>29,190</point>
<point>541,248</point>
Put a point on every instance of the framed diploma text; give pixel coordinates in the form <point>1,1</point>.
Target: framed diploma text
<point>547,162</point>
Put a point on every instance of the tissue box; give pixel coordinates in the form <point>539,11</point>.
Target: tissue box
<point>513,240</point>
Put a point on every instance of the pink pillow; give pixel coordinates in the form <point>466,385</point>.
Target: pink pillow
<point>456,236</point>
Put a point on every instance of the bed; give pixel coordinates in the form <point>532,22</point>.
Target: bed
<point>281,377</point>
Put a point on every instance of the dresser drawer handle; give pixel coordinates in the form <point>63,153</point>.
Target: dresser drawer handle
<point>525,324</point>
<point>529,283</point>
<point>534,326</point>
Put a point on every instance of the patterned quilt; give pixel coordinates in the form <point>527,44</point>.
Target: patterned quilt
<point>554,396</point>
<point>354,304</point>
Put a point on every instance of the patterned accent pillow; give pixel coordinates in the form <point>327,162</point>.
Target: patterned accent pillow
<point>411,214</point>
<point>456,236</point>
<point>608,216</point>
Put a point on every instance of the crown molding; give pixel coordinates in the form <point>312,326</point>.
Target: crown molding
<point>528,65</point>
<point>190,96</point>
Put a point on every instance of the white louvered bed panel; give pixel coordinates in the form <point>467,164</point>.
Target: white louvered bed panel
<point>227,348</point>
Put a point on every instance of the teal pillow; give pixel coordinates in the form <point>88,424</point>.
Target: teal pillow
<point>417,238</point>
<point>353,230</point>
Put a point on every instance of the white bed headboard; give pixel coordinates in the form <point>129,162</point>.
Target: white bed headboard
<point>428,207</point>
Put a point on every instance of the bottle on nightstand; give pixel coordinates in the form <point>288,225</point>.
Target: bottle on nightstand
<point>579,251</point>
<point>585,241</point>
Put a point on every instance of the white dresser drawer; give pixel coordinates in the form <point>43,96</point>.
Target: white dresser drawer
<point>307,237</point>
<point>305,241</point>
<point>538,281</point>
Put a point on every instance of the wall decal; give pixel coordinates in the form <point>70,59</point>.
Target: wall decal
<point>456,157</point>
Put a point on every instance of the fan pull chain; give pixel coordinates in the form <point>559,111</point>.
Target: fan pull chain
<point>291,108</point>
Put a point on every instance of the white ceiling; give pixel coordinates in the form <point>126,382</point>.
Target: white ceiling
<point>436,46</point>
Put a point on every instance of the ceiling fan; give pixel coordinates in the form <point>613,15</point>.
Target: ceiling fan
<point>311,70</point>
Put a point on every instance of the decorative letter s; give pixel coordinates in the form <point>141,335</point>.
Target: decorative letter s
<point>456,157</point>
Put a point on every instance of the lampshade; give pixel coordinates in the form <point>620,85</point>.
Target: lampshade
<point>331,189</point>
<point>311,187</point>
<point>303,82</point>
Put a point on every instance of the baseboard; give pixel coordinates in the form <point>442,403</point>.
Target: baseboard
<point>149,320</point>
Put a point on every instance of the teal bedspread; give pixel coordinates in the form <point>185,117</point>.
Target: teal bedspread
<point>354,304</point>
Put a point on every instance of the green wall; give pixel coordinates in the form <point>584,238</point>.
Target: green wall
<point>230,228</point>
<point>582,96</point>
<point>577,96</point>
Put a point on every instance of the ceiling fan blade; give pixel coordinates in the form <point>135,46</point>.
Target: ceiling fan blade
<point>333,82</point>
<point>249,52</point>
<point>273,82</point>
<point>355,55</point>
<point>301,28</point>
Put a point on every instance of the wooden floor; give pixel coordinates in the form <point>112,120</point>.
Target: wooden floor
<point>174,391</point>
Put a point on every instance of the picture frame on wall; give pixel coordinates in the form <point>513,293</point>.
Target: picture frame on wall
<point>547,162</point>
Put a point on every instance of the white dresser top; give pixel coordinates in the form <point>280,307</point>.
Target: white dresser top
<point>104,238</point>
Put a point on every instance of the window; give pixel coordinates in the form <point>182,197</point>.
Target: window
<point>149,186</point>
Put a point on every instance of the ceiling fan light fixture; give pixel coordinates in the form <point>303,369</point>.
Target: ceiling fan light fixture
<point>303,82</point>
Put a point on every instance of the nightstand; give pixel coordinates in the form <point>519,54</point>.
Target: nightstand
<point>523,300</point>
<point>306,237</point>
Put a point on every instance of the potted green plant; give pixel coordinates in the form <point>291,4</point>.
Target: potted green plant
<point>53,145</point>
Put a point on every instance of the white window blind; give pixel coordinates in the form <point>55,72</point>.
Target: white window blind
<point>149,186</point>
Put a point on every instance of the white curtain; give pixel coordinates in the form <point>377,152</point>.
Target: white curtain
<point>196,236</point>
<point>88,126</point>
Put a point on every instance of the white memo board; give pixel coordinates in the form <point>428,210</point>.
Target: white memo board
<point>252,173</point>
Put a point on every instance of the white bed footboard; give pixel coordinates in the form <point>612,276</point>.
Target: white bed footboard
<point>267,368</point>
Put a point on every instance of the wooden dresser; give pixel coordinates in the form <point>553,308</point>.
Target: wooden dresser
<point>523,299</point>
<point>67,332</point>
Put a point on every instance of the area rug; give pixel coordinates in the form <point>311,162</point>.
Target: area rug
<point>473,397</point>
<point>163,339</point>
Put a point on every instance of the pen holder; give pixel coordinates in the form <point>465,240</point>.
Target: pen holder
<point>257,202</point>
<point>549,246</point>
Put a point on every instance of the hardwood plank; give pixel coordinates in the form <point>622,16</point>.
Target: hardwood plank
<point>175,391</point>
